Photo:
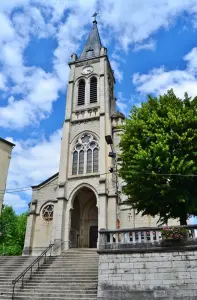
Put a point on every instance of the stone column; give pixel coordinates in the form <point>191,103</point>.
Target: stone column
<point>30,229</point>
<point>59,226</point>
<point>102,216</point>
<point>66,245</point>
<point>112,212</point>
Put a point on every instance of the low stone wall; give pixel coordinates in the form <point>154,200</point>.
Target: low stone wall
<point>161,273</point>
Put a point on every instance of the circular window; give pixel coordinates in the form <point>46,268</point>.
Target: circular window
<point>47,212</point>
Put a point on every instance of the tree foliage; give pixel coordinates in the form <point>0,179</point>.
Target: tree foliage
<point>12,228</point>
<point>159,153</point>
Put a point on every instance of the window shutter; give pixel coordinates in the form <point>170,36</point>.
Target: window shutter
<point>93,90</point>
<point>81,92</point>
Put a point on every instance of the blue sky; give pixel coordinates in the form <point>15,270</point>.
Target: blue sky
<point>152,46</point>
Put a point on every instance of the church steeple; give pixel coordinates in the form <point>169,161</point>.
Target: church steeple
<point>93,44</point>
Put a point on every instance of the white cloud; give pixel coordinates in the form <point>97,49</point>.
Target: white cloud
<point>131,24</point>
<point>16,202</point>
<point>33,161</point>
<point>33,91</point>
<point>150,45</point>
<point>137,20</point>
<point>117,72</point>
<point>125,104</point>
<point>159,80</point>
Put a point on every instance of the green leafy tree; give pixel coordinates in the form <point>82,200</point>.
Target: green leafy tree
<point>159,157</point>
<point>12,228</point>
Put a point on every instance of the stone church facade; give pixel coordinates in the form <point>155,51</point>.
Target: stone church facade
<point>72,205</point>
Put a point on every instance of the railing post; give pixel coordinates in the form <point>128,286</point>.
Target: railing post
<point>151,236</point>
<point>139,237</point>
<point>103,239</point>
<point>13,291</point>
<point>51,249</point>
<point>133,237</point>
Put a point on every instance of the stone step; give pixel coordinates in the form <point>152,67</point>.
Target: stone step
<point>54,297</point>
<point>25,297</point>
<point>71,276</point>
<point>67,276</point>
<point>62,270</point>
<point>52,291</point>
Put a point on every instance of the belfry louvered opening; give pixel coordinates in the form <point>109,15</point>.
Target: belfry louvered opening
<point>93,90</point>
<point>81,92</point>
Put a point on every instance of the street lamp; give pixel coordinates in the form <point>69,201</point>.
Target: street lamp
<point>108,139</point>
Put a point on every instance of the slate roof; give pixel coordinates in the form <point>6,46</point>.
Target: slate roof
<point>93,44</point>
<point>7,142</point>
<point>45,181</point>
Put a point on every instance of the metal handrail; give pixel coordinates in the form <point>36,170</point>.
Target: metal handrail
<point>37,260</point>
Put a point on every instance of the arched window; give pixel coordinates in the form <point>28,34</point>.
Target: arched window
<point>81,92</point>
<point>85,155</point>
<point>93,90</point>
<point>75,162</point>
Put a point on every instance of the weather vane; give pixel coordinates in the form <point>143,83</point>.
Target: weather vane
<point>95,15</point>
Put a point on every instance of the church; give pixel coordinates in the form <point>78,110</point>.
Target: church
<point>69,208</point>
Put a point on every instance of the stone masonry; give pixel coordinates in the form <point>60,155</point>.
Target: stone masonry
<point>166,275</point>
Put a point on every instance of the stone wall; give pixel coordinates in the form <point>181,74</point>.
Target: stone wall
<point>163,274</point>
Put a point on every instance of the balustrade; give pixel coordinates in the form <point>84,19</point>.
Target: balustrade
<point>139,237</point>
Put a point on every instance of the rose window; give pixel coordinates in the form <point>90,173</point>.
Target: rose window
<point>47,212</point>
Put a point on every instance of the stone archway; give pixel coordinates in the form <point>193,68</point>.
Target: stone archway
<point>84,220</point>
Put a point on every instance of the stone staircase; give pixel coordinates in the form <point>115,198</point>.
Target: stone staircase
<point>71,276</point>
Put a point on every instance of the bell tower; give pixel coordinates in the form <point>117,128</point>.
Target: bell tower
<point>84,161</point>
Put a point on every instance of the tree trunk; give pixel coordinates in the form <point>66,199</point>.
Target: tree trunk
<point>183,219</point>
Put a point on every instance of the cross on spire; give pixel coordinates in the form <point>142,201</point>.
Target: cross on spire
<point>95,15</point>
<point>93,44</point>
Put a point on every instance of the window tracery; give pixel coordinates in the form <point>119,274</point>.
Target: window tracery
<point>85,155</point>
<point>47,212</point>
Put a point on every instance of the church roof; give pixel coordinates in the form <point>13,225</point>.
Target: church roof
<point>7,142</point>
<point>93,44</point>
<point>45,181</point>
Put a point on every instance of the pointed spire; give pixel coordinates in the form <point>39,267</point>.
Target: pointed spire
<point>93,44</point>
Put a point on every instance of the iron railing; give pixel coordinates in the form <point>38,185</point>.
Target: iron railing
<point>30,267</point>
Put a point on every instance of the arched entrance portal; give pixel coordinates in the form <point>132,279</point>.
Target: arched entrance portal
<point>84,220</point>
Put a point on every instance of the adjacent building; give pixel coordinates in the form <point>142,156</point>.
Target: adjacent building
<point>5,156</point>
